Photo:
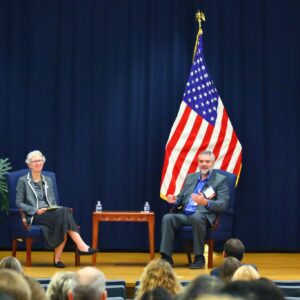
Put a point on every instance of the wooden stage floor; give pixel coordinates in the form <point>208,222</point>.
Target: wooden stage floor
<point>129,266</point>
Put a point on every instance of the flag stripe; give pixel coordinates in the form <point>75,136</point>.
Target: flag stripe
<point>182,119</point>
<point>238,164</point>
<point>202,146</point>
<point>184,133</point>
<point>228,155</point>
<point>234,159</point>
<point>183,154</point>
<point>190,161</point>
<point>190,158</point>
<point>222,133</point>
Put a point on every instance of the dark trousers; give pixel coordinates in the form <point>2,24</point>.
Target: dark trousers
<point>172,222</point>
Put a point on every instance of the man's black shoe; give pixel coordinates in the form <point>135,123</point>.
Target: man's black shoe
<point>168,259</point>
<point>89,252</point>
<point>199,262</point>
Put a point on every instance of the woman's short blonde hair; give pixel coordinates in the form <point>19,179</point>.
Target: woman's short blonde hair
<point>246,273</point>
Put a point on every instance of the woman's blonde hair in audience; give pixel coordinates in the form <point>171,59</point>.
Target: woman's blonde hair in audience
<point>14,285</point>
<point>37,291</point>
<point>246,273</point>
<point>159,273</point>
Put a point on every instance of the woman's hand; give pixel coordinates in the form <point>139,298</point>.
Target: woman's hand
<point>41,211</point>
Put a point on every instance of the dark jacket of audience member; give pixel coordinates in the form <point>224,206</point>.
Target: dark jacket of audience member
<point>204,284</point>
<point>260,289</point>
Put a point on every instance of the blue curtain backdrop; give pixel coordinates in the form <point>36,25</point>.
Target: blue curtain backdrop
<point>96,86</point>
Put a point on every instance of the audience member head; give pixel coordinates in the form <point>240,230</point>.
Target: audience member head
<point>235,248</point>
<point>88,283</point>
<point>203,284</point>
<point>266,289</point>
<point>159,273</point>
<point>245,272</point>
<point>11,263</point>
<point>60,285</point>
<point>14,285</point>
<point>228,268</point>
<point>37,291</point>
<point>260,289</point>
<point>239,289</point>
<point>159,293</point>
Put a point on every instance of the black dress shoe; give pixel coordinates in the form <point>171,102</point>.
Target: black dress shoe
<point>59,264</point>
<point>168,259</point>
<point>89,252</point>
<point>199,262</point>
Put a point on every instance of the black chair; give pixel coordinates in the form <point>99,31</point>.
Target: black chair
<point>287,282</point>
<point>290,290</point>
<point>115,282</point>
<point>185,282</point>
<point>222,228</point>
<point>43,280</point>
<point>18,228</point>
<point>116,291</point>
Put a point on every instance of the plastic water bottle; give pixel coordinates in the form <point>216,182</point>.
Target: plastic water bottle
<point>98,207</point>
<point>146,207</point>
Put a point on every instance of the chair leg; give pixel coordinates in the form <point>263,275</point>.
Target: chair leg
<point>188,249</point>
<point>14,248</point>
<point>28,251</point>
<point>210,244</point>
<point>77,257</point>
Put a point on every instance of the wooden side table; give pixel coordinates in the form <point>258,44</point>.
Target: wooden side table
<point>123,216</point>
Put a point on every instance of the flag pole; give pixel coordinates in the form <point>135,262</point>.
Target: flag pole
<point>199,18</point>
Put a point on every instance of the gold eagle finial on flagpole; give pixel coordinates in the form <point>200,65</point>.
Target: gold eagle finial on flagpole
<point>200,17</point>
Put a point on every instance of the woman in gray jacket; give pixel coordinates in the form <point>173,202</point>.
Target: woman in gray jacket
<point>36,197</point>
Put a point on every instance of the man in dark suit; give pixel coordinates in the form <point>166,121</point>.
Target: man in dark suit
<point>204,194</point>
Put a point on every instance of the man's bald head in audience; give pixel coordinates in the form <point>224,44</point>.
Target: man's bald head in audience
<point>88,283</point>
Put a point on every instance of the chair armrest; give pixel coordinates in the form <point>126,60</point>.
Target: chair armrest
<point>224,219</point>
<point>13,211</point>
<point>16,213</point>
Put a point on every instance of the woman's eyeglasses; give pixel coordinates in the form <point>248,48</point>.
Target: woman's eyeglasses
<point>36,161</point>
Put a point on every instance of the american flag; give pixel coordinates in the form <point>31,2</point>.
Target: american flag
<point>201,124</point>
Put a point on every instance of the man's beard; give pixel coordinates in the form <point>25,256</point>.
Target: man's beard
<point>205,171</point>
